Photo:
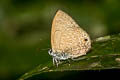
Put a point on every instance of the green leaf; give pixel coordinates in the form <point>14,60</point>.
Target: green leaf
<point>105,54</point>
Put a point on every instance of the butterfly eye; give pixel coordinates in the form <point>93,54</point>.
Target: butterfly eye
<point>50,51</point>
<point>86,39</point>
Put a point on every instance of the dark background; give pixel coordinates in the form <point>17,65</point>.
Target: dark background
<point>25,29</point>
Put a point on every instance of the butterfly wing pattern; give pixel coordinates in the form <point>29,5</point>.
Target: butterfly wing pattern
<point>68,40</point>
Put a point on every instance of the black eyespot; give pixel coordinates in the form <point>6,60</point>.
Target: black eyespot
<point>86,39</point>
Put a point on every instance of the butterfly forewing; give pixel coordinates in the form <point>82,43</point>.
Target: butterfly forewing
<point>68,37</point>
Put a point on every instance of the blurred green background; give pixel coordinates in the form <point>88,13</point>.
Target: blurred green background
<point>25,29</point>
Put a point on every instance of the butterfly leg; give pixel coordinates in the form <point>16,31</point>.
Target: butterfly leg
<point>56,61</point>
<point>53,61</point>
<point>77,59</point>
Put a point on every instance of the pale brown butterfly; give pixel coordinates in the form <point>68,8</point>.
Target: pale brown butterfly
<point>68,40</point>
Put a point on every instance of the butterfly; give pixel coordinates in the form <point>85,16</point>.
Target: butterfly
<point>68,39</point>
